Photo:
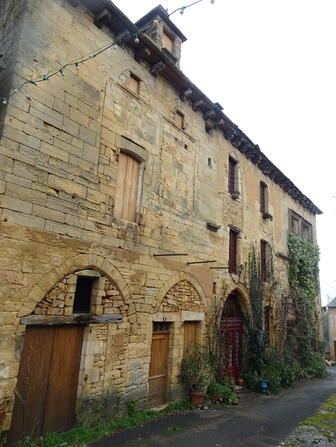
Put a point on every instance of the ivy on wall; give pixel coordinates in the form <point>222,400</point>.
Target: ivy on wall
<point>303,276</point>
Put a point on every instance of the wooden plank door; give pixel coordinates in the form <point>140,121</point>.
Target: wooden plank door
<point>158,369</point>
<point>61,395</point>
<point>46,391</point>
<point>32,384</point>
<point>190,335</point>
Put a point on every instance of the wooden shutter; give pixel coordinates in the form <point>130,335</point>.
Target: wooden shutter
<point>179,118</point>
<point>190,334</point>
<point>134,84</point>
<point>232,175</point>
<point>233,251</point>
<point>167,42</point>
<point>263,197</point>
<point>263,260</point>
<point>127,188</point>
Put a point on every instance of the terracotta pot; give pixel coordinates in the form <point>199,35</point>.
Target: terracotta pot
<point>197,398</point>
<point>240,382</point>
<point>215,399</point>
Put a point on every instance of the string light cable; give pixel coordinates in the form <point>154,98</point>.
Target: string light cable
<point>95,53</point>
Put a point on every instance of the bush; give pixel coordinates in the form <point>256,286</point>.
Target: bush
<point>195,370</point>
<point>224,392</point>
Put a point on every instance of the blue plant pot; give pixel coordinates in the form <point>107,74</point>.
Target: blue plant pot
<point>263,385</point>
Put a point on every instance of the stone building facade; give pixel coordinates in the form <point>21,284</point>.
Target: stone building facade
<point>129,203</point>
<point>331,322</point>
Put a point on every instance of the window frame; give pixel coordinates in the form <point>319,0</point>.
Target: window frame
<point>302,224</point>
<point>181,125</point>
<point>233,177</point>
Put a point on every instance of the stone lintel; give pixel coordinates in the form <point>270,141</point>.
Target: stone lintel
<point>91,273</point>
<point>166,316</point>
<point>187,315</point>
<point>48,320</point>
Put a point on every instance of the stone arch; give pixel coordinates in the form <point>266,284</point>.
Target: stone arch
<point>243,300</point>
<point>173,281</point>
<point>72,265</point>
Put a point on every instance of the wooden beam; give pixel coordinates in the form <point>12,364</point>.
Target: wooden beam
<point>48,320</point>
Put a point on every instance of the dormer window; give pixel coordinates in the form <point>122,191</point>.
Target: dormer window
<point>167,42</point>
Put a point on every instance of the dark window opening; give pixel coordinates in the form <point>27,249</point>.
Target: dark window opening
<point>233,239</point>
<point>214,287</point>
<point>232,174</point>
<point>210,162</point>
<point>82,299</point>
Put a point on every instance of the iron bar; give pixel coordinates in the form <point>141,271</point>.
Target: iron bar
<point>200,262</point>
<point>170,254</point>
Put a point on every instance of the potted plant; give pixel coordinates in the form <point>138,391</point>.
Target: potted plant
<point>195,373</point>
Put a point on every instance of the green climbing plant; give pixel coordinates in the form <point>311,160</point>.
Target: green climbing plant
<point>303,276</point>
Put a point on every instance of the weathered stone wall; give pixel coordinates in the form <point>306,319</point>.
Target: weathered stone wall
<point>58,169</point>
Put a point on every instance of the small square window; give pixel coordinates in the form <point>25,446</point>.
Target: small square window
<point>134,84</point>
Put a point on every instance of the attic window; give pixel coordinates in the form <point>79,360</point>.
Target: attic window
<point>167,42</point>
<point>134,84</point>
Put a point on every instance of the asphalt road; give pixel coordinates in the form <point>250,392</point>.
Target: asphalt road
<point>257,421</point>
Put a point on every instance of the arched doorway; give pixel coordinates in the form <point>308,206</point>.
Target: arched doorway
<point>78,308</point>
<point>231,336</point>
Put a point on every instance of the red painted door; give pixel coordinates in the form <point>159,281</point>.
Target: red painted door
<point>231,331</point>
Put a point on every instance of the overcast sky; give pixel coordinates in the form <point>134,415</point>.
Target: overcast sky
<point>271,65</point>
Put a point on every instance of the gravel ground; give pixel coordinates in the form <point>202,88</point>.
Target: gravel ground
<point>318,430</point>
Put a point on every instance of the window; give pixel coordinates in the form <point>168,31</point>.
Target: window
<point>233,242</point>
<point>263,198</point>
<point>306,231</point>
<point>232,176</point>
<point>128,188</point>
<point>265,260</point>
<point>134,84</point>
<point>179,119</point>
<point>167,42</point>
<point>299,226</point>
<point>82,299</point>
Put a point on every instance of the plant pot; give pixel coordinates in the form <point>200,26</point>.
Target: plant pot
<point>197,398</point>
<point>215,399</point>
<point>240,382</point>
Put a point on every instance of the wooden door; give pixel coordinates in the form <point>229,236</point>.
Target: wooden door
<point>46,390</point>
<point>190,335</point>
<point>158,369</point>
